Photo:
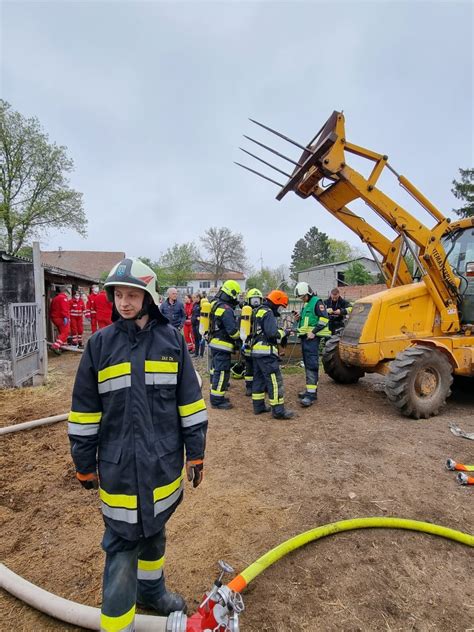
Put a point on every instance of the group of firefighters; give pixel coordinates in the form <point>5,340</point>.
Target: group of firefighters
<point>138,415</point>
<point>67,315</point>
<point>259,342</point>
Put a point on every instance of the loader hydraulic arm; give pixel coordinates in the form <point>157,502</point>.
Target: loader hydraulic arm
<point>324,159</point>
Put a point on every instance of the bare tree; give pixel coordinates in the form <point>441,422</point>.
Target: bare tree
<point>34,190</point>
<point>225,250</point>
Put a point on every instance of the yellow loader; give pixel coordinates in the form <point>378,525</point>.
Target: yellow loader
<point>418,332</point>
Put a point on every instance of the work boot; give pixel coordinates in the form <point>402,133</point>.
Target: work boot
<point>304,394</point>
<point>267,409</point>
<point>56,350</point>
<point>248,392</point>
<point>166,604</point>
<point>223,406</point>
<point>307,401</point>
<point>286,414</point>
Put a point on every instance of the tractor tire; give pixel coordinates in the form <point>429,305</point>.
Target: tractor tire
<point>419,382</point>
<point>335,367</point>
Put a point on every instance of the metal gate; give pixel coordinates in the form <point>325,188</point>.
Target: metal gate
<point>24,341</point>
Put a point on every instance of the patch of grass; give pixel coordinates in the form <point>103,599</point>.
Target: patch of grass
<point>292,369</point>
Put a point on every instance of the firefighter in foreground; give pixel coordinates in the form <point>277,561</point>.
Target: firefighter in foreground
<point>313,320</point>
<point>136,407</point>
<point>223,340</point>
<point>266,364</point>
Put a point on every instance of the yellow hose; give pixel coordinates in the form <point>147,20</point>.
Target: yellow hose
<point>251,572</point>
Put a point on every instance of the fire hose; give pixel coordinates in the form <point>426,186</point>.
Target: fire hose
<point>462,479</point>
<point>219,611</point>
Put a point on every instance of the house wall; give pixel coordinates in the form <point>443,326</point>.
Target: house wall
<point>195,284</point>
<point>17,285</point>
<point>324,279</point>
<point>321,281</point>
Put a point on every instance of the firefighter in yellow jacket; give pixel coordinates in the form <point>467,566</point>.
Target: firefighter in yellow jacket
<point>137,408</point>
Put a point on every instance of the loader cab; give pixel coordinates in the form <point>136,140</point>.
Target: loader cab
<point>459,248</point>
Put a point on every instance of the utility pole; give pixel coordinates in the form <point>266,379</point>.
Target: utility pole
<point>40,313</point>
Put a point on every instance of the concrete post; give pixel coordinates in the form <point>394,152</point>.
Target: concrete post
<point>41,313</point>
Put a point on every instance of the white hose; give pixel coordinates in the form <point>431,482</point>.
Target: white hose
<point>32,424</point>
<point>65,610</point>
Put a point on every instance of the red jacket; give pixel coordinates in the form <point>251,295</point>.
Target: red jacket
<point>103,307</point>
<point>77,307</point>
<point>59,308</point>
<point>90,309</point>
<point>188,308</point>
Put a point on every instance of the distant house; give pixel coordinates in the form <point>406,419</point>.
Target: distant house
<point>91,263</point>
<point>202,281</point>
<point>325,277</point>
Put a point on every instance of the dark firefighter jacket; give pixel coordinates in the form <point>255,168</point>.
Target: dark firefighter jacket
<point>224,330</point>
<point>343,305</point>
<point>265,332</point>
<point>136,406</point>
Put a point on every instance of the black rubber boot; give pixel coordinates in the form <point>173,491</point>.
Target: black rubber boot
<point>267,409</point>
<point>167,603</point>
<point>248,393</point>
<point>307,401</point>
<point>224,406</point>
<point>286,414</point>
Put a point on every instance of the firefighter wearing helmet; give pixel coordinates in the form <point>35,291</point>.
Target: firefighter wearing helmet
<point>313,319</point>
<point>224,337</point>
<point>265,339</point>
<point>137,407</point>
<point>254,300</point>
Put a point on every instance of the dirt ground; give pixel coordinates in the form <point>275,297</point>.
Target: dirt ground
<point>351,455</point>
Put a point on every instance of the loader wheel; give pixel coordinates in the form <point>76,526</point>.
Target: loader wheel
<point>419,382</point>
<point>335,367</point>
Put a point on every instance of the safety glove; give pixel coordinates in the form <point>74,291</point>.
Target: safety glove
<point>195,471</point>
<point>88,481</point>
<point>65,320</point>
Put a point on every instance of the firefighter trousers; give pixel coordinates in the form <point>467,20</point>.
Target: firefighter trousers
<point>267,375</point>
<point>221,361</point>
<point>133,573</point>
<point>248,373</point>
<point>310,350</point>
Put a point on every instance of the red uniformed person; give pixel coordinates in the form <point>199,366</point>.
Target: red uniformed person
<point>77,309</point>
<point>60,317</point>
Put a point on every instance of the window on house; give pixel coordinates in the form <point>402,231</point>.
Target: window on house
<point>204,285</point>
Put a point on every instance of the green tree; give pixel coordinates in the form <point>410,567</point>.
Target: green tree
<point>464,190</point>
<point>225,250</point>
<point>34,190</point>
<point>265,280</point>
<point>178,262</point>
<point>356,274</point>
<point>343,250</point>
<point>312,250</point>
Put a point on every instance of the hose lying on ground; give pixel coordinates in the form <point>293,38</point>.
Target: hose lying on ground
<point>251,572</point>
<point>33,423</point>
<point>65,610</point>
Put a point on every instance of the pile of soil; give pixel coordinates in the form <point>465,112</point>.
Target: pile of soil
<point>350,455</point>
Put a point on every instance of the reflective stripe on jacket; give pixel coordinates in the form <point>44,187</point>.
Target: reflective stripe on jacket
<point>223,331</point>
<point>313,317</point>
<point>265,332</point>
<point>77,307</point>
<point>136,405</point>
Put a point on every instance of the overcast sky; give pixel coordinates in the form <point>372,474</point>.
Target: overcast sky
<point>152,99</point>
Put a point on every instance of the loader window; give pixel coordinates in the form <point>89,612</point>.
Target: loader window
<point>459,249</point>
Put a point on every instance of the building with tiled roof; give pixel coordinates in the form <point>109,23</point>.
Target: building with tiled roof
<point>92,263</point>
